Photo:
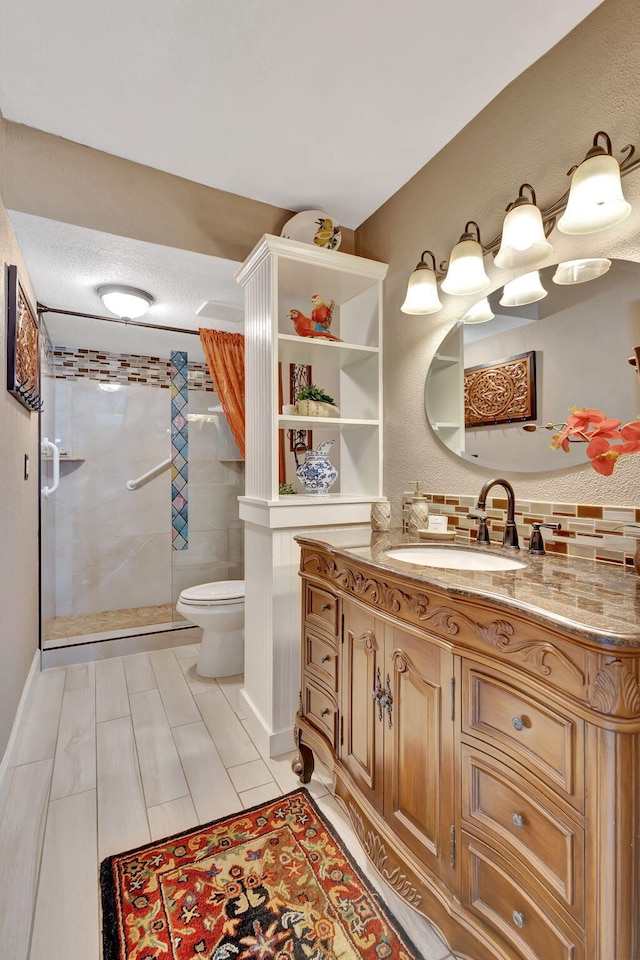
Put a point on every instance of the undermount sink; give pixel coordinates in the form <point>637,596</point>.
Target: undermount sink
<point>453,558</point>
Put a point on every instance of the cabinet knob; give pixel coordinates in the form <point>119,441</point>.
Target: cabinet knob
<point>517,723</point>
<point>325,606</point>
<point>518,918</point>
<point>325,712</point>
<point>325,658</point>
<point>518,820</point>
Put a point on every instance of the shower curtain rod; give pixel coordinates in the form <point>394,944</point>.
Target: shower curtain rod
<point>128,323</point>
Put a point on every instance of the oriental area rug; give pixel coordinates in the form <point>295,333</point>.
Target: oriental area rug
<point>270,882</point>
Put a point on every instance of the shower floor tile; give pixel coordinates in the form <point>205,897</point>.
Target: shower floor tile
<point>79,625</point>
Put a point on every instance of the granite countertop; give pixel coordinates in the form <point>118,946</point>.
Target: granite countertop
<point>595,600</point>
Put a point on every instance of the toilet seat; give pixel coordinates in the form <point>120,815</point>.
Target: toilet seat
<point>211,594</point>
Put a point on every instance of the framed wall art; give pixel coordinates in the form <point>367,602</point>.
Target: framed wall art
<point>23,345</point>
<point>501,392</point>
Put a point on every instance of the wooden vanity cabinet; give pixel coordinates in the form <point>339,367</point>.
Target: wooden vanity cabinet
<point>396,742</point>
<point>489,764</point>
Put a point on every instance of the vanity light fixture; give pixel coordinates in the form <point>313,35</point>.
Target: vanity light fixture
<point>595,198</point>
<point>422,289</point>
<point>466,273</point>
<point>593,202</point>
<point>480,312</point>
<point>579,271</point>
<point>124,301</point>
<point>524,243</point>
<point>523,290</point>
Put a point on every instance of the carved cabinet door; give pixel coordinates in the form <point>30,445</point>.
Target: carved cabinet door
<point>418,748</point>
<point>362,733</point>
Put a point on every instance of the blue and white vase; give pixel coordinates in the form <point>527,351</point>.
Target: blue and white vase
<point>316,473</point>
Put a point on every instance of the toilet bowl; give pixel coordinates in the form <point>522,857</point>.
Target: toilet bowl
<point>219,609</point>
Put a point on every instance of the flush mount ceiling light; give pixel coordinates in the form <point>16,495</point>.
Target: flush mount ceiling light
<point>595,198</point>
<point>422,289</point>
<point>480,312</point>
<point>124,301</point>
<point>593,202</point>
<point>466,273</point>
<point>523,290</point>
<point>579,271</point>
<point>524,243</point>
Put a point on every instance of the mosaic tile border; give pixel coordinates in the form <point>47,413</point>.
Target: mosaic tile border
<point>592,532</point>
<point>71,363</point>
<point>179,450</point>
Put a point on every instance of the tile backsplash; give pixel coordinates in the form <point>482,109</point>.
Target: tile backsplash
<point>71,363</point>
<point>593,532</point>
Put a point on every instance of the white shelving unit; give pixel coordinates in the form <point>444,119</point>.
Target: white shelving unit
<point>278,276</point>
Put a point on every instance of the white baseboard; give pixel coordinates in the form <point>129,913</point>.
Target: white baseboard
<point>6,764</point>
<point>270,743</point>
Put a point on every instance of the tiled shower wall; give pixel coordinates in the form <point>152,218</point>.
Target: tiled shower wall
<point>113,546</point>
<point>593,532</point>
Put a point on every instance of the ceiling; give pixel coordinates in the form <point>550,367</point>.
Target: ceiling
<point>330,105</point>
<point>66,263</point>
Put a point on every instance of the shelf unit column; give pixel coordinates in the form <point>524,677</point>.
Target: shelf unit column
<point>278,276</point>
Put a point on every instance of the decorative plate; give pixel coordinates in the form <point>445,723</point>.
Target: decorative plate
<point>314,226</point>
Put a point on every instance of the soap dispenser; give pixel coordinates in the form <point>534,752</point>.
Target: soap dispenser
<point>418,510</point>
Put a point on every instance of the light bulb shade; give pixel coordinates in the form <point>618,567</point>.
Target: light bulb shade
<point>480,312</point>
<point>523,290</point>
<point>523,241</point>
<point>125,301</point>
<point>595,199</point>
<point>466,273</point>
<point>579,271</point>
<point>422,293</point>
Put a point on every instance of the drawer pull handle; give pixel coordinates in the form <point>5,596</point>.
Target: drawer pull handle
<point>325,606</point>
<point>517,723</point>
<point>518,820</point>
<point>325,658</point>
<point>518,918</point>
<point>325,712</point>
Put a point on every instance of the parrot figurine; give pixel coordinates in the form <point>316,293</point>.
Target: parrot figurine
<point>322,313</point>
<point>306,327</point>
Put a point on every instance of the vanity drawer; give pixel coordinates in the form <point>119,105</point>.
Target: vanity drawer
<point>321,659</point>
<point>321,710</point>
<point>548,742</point>
<point>321,608</point>
<point>507,906</point>
<point>526,823</point>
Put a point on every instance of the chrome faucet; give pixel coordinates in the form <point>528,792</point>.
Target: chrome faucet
<point>510,538</point>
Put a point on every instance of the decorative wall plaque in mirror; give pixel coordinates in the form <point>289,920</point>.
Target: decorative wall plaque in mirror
<point>581,336</point>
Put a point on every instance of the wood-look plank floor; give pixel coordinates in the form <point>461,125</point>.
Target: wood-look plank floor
<point>112,754</point>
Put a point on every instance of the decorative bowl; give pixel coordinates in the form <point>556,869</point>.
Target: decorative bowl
<point>314,227</point>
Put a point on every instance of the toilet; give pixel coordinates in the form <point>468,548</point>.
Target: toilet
<point>219,609</point>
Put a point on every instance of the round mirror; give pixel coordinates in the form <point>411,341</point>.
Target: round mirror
<point>492,381</point>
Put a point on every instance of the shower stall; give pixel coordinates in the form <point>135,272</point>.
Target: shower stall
<point>148,476</point>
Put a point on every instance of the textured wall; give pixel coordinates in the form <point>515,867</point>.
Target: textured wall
<point>18,512</point>
<point>51,177</point>
<point>534,131</point>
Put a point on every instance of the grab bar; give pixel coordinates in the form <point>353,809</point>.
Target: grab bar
<point>149,475</point>
<point>55,450</point>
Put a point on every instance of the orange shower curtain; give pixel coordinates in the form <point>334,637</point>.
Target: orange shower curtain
<point>225,358</point>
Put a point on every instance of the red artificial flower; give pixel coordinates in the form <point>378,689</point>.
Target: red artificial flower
<point>603,456</point>
<point>581,418</point>
<point>605,428</point>
<point>631,434</point>
<point>560,441</point>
